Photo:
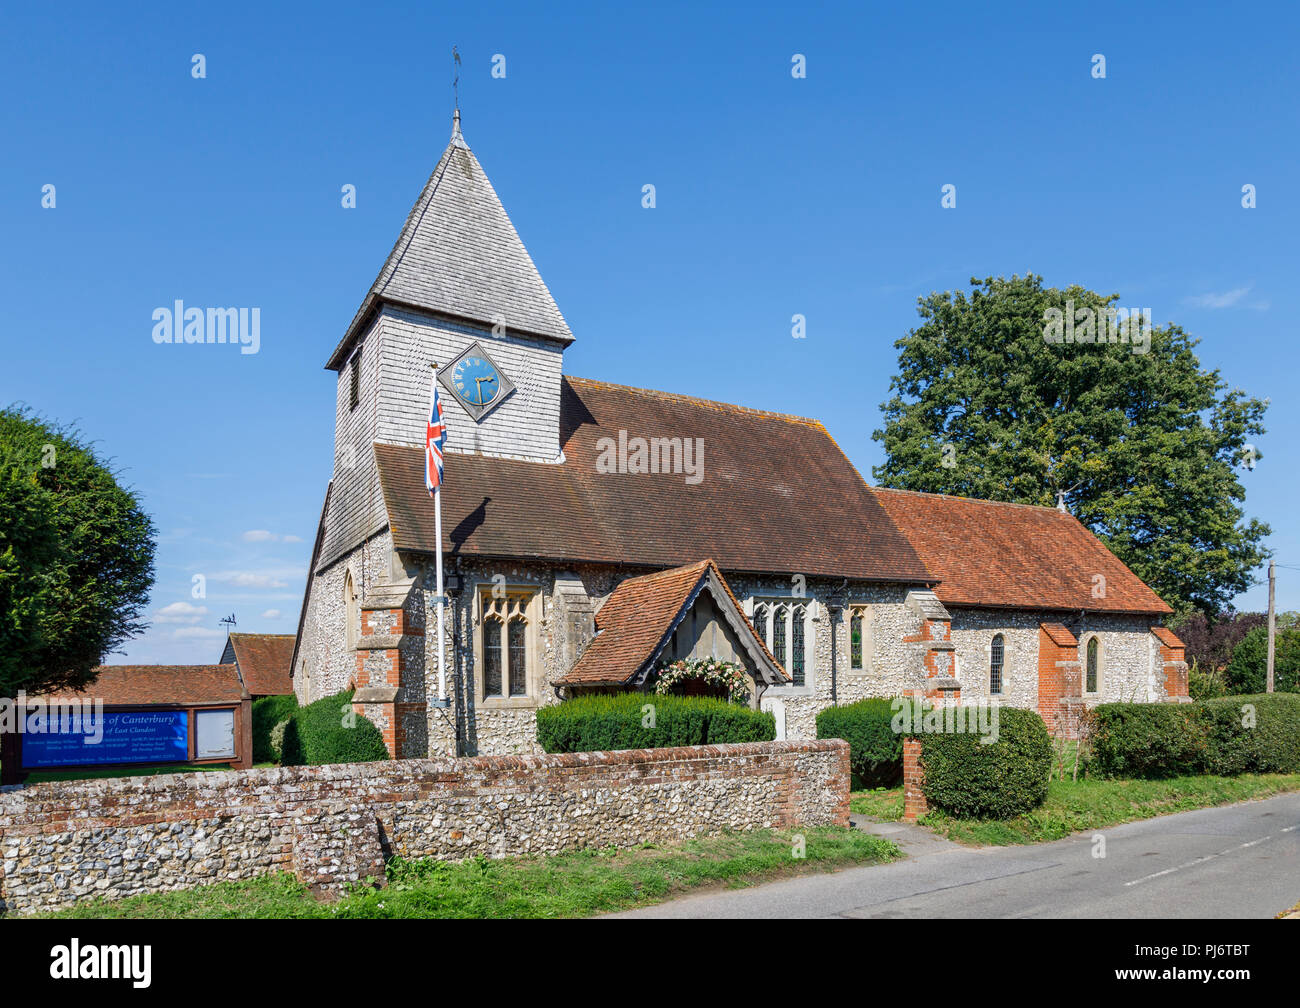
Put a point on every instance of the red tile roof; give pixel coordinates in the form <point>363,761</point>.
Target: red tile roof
<point>1167,637</point>
<point>265,662</point>
<point>1061,636</point>
<point>161,685</point>
<point>1014,555</point>
<point>637,618</point>
<point>777,495</point>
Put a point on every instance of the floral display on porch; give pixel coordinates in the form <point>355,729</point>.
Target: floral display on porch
<point>730,677</point>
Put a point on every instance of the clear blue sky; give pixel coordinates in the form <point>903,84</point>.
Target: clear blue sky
<point>776,196</point>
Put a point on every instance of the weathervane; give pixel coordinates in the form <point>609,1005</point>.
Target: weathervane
<point>455,79</point>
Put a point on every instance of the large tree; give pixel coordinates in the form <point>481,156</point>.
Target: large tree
<point>1147,446</point>
<point>76,558</point>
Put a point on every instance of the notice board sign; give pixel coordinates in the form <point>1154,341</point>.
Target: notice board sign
<point>118,736</point>
<point>214,734</point>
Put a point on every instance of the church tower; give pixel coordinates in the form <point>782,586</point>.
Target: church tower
<point>459,289</point>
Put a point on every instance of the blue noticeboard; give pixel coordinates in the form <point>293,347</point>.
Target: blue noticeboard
<point>127,736</point>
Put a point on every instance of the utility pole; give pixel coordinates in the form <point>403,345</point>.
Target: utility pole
<point>1272,627</point>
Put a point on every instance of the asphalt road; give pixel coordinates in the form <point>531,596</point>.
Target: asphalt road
<point>1238,861</point>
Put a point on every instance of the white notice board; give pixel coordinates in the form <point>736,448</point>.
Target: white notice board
<point>214,734</point>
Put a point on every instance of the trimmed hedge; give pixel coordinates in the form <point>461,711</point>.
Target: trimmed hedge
<point>1148,740</point>
<point>875,750</point>
<point>1214,737</point>
<point>267,713</point>
<point>1005,778</point>
<point>594,723</point>
<point>318,734</point>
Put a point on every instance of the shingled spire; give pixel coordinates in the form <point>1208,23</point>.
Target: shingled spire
<point>459,255</point>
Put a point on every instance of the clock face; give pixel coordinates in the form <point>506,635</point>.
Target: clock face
<point>476,381</point>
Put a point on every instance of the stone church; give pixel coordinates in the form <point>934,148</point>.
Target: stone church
<point>593,532</point>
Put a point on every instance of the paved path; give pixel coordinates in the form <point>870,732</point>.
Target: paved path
<point>1231,862</point>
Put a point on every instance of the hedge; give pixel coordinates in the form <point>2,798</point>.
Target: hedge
<point>1215,736</point>
<point>875,749</point>
<point>619,721</point>
<point>1005,778</point>
<point>1148,740</point>
<point>328,732</point>
<point>268,712</point>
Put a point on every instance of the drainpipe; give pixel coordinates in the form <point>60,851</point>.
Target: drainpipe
<point>834,606</point>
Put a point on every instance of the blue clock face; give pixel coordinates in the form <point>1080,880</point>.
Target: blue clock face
<point>476,381</point>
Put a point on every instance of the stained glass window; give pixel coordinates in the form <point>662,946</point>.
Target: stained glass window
<point>492,657</point>
<point>518,660</point>
<point>855,639</point>
<point>796,639</point>
<point>995,664</point>
<point>779,649</point>
<point>760,622</point>
<point>1093,657</point>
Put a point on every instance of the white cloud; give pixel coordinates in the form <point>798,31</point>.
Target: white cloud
<point>249,579</point>
<point>180,612</point>
<point>1224,300</point>
<point>272,614</point>
<point>198,633</point>
<point>263,535</point>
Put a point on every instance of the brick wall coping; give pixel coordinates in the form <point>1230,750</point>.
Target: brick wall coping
<point>53,794</point>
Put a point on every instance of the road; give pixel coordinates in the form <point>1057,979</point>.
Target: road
<point>1237,861</point>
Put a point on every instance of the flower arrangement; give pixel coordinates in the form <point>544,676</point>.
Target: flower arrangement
<point>729,676</point>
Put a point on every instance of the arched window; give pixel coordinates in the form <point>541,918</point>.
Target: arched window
<point>351,610</point>
<point>797,616</point>
<point>518,659</point>
<point>492,656</point>
<point>1092,679</point>
<point>779,649</point>
<point>760,622</point>
<point>855,639</point>
<point>996,657</point>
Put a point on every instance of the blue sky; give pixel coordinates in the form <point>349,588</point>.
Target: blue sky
<point>775,196</point>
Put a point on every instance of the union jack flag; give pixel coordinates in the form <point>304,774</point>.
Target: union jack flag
<point>435,438</point>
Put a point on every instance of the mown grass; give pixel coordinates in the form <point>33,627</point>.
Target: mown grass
<point>579,884</point>
<point>1077,806</point>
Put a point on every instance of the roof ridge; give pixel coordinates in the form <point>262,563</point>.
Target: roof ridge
<point>717,404</point>
<point>975,500</point>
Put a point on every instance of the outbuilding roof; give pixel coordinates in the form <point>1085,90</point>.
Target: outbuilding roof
<point>265,661</point>
<point>161,686</point>
<point>990,554</point>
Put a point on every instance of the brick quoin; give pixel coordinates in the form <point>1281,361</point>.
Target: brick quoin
<point>914,803</point>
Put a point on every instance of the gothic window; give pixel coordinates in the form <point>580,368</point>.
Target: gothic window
<point>351,611</point>
<point>1092,678</point>
<point>507,644</point>
<point>797,617</point>
<point>760,623</point>
<point>518,657</point>
<point>779,649</point>
<point>996,658</point>
<point>859,648</point>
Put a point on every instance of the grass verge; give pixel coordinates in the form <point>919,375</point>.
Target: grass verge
<point>1076,806</point>
<point>578,884</point>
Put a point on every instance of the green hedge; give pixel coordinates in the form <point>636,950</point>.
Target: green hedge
<point>328,732</point>
<point>875,750</point>
<point>593,723</point>
<point>965,777</point>
<point>267,713</point>
<point>1148,740</point>
<point>1215,736</point>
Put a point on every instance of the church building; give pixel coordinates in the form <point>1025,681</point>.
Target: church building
<point>592,533</point>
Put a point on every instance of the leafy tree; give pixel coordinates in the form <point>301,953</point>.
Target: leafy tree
<point>1210,642</point>
<point>76,558</point>
<point>1248,669</point>
<point>1146,445</point>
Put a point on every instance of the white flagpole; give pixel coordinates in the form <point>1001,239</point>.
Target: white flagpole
<point>437,536</point>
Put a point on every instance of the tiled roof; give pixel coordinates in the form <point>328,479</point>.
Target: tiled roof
<point>1167,637</point>
<point>776,495</point>
<point>637,618</point>
<point>1060,635</point>
<point>161,685</point>
<point>264,662</point>
<point>990,554</point>
<point>459,254</point>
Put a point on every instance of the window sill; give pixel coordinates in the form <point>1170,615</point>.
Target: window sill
<point>507,703</point>
<point>790,691</point>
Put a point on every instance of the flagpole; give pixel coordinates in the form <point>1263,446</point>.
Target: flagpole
<point>437,538</point>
